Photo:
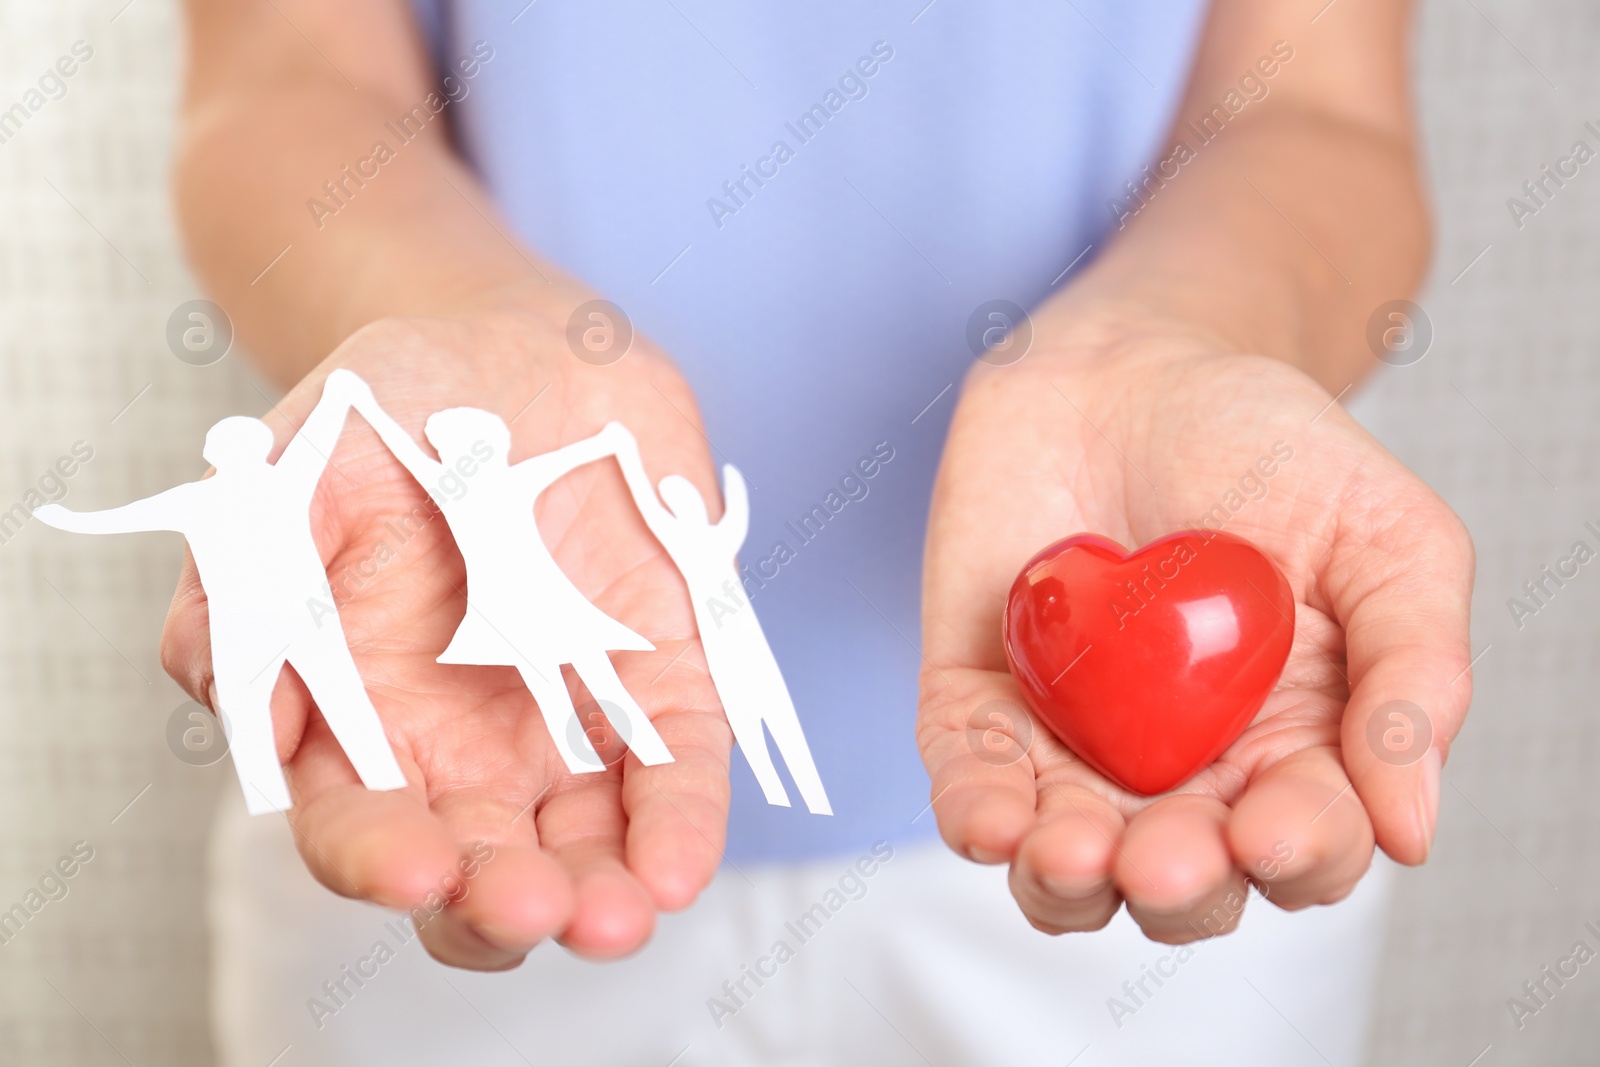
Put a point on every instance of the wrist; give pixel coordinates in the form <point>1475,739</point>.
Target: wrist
<point>506,330</point>
<point>1113,357</point>
<point>1078,333</point>
<point>448,289</point>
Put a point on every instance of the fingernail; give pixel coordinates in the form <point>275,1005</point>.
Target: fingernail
<point>1066,890</point>
<point>1432,764</point>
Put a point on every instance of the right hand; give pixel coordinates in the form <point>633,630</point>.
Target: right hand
<point>587,858</point>
<point>1161,424</point>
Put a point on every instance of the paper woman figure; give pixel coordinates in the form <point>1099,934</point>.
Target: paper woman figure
<point>522,611</point>
<point>743,668</point>
<point>249,528</point>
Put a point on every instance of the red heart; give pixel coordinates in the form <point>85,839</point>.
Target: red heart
<point>1149,664</point>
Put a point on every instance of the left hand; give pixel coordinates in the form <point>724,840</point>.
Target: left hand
<point>590,858</point>
<point>1134,430</point>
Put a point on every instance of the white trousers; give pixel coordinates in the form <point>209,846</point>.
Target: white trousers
<point>926,960</point>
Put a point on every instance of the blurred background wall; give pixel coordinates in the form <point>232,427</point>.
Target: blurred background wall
<point>90,271</point>
<point>1499,416</point>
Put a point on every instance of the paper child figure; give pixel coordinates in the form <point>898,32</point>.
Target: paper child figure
<point>522,611</point>
<point>249,528</point>
<point>742,665</point>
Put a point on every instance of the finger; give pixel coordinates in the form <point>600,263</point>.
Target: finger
<point>980,747</point>
<point>584,827</point>
<point>985,805</point>
<point>186,636</point>
<point>1062,876</point>
<point>1176,872</point>
<point>678,812</point>
<point>1300,833</point>
<point>385,846</point>
<point>507,894</point>
<point>1405,614</point>
<point>379,845</point>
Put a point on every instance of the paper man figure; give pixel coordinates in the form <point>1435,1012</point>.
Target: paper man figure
<point>522,611</point>
<point>742,665</point>
<point>249,528</point>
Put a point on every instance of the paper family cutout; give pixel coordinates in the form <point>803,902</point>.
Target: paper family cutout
<point>249,529</point>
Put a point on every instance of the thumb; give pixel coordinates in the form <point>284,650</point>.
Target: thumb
<point>186,636</point>
<point>1406,631</point>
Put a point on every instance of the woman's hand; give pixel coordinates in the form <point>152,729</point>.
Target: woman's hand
<point>587,858</point>
<point>1134,430</point>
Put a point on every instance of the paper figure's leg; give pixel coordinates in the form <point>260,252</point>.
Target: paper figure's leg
<point>246,707</point>
<point>549,690</point>
<point>604,685</point>
<point>753,743</point>
<point>791,741</point>
<point>329,672</point>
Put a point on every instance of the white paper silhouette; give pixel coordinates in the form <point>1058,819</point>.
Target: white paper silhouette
<point>742,666</point>
<point>249,528</point>
<point>522,611</point>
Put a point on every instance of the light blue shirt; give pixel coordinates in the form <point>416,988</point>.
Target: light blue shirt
<point>817,295</point>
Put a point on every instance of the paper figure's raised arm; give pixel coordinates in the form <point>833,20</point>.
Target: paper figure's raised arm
<point>309,453</point>
<point>164,511</point>
<point>735,521</point>
<point>610,441</point>
<point>656,516</point>
<point>424,468</point>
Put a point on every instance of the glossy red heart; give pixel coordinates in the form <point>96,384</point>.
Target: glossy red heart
<point>1148,665</point>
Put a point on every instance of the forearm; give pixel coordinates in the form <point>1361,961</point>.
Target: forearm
<point>1282,243</point>
<point>267,121</point>
<point>1282,233</point>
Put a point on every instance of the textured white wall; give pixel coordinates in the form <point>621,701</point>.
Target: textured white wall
<point>1501,408</point>
<point>89,271</point>
<point>1506,87</point>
